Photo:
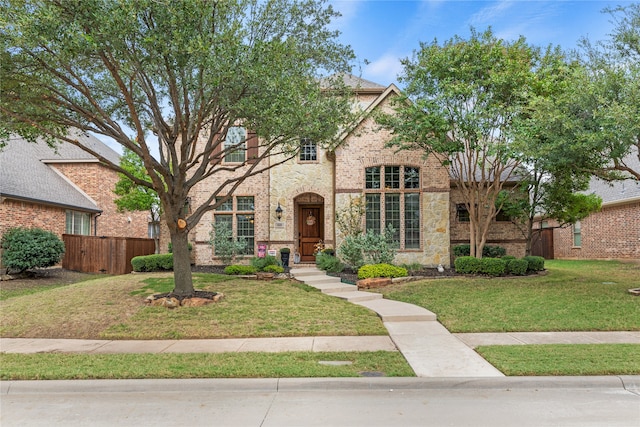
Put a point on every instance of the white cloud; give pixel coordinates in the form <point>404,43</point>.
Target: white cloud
<point>490,14</point>
<point>385,69</point>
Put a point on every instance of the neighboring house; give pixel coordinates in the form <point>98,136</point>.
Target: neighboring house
<point>64,190</point>
<point>401,188</point>
<point>614,232</point>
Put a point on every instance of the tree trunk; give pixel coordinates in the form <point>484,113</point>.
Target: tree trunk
<point>181,263</point>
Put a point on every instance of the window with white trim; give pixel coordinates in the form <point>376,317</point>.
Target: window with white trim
<point>78,223</point>
<point>235,146</point>
<point>392,196</point>
<point>577,234</point>
<point>308,150</point>
<point>239,213</point>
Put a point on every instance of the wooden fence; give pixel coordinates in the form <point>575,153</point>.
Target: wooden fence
<point>543,243</point>
<point>110,255</point>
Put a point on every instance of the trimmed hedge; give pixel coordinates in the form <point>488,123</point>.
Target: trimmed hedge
<point>467,265</point>
<point>27,248</point>
<point>536,263</point>
<point>487,251</point>
<point>517,267</point>
<point>271,268</point>
<point>492,266</point>
<point>155,262</point>
<point>381,270</point>
<point>239,269</point>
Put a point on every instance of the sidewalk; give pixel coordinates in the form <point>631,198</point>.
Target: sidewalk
<point>426,345</point>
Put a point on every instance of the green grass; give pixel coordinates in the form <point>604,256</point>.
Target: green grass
<point>55,366</point>
<point>572,296</point>
<point>563,359</point>
<point>113,308</point>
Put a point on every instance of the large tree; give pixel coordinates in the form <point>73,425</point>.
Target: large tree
<point>460,101</point>
<point>166,79</point>
<point>599,117</point>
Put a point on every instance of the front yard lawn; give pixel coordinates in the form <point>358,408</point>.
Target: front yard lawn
<point>571,296</point>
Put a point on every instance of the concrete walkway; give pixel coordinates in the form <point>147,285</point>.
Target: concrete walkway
<point>427,346</point>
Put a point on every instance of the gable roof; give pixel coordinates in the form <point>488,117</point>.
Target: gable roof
<point>617,192</point>
<point>25,173</point>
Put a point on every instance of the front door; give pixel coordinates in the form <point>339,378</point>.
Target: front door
<point>310,230</point>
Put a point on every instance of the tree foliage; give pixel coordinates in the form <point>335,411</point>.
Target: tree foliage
<point>166,79</point>
<point>461,100</point>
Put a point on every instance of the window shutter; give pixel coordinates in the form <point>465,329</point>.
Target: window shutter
<point>252,147</point>
<point>216,153</point>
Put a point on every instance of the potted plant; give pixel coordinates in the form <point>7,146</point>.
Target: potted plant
<point>284,256</point>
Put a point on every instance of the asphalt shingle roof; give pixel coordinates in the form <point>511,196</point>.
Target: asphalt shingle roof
<point>25,173</point>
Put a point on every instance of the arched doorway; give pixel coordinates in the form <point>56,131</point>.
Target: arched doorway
<point>310,224</point>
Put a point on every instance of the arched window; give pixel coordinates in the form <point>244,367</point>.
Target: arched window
<point>392,195</point>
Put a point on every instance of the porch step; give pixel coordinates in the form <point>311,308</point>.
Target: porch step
<point>397,311</point>
<point>356,296</point>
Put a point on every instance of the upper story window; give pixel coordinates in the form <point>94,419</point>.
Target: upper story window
<point>392,195</point>
<point>235,145</point>
<point>308,150</point>
<point>78,223</point>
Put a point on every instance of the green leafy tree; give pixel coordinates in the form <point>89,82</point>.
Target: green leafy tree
<point>166,79</point>
<point>223,243</point>
<point>135,197</point>
<point>27,248</point>
<point>459,106</point>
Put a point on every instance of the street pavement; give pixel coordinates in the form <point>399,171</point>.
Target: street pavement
<point>454,385</point>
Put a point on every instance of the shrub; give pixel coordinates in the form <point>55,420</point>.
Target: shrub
<point>467,265</point>
<point>155,262</point>
<point>462,250</point>
<point>492,266</point>
<point>271,268</point>
<point>517,266</point>
<point>381,270</point>
<point>261,263</point>
<point>327,262</point>
<point>487,251</point>
<point>493,252</point>
<point>224,245</point>
<point>536,263</point>
<point>369,248</point>
<point>329,251</point>
<point>26,248</point>
<point>239,269</point>
<point>285,250</point>
<point>508,258</point>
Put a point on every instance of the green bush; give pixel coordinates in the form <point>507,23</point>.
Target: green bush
<point>239,269</point>
<point>487,251</point>
<point>155,262</point>
<point>462,250</point>
<point>492,266</point>
<point>536,263</point>
<point>271,268</point>
<point>381,270</point>
<point>261,263</point>
<point>330,263</point>
<point>493,252</point>
<point>329,251</point>
<point>467,265</point>
<point>26,248</point>
<point>517,267</point>
<point>369,248</point>
<point>508,258</point>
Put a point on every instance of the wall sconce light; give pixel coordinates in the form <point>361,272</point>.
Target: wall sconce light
<point>279,212</point>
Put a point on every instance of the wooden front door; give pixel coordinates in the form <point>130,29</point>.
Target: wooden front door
<point>310,230</point>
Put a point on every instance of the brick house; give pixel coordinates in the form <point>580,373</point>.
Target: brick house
<point>405,189</point>
<point>63,190</point>
<point>614,232</point>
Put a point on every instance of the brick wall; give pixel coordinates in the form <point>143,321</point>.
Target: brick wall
<point>14,213</point>
<point>98,182</point>
<point>501,233</point>
<point>614,232</point>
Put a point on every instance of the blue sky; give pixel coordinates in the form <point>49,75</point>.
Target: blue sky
<point>384,31</point>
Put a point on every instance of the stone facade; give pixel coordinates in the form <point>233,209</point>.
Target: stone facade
<point>314,190</point>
